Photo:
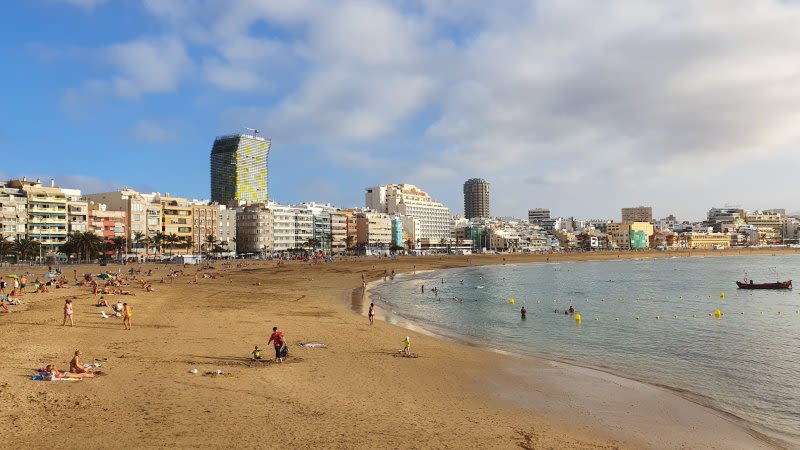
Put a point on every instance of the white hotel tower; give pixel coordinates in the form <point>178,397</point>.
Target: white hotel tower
<point>408,200</point>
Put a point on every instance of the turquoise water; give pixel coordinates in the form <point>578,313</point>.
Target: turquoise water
<point>746,363</point>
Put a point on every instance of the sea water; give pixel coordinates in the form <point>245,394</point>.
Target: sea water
<point>648,319</point>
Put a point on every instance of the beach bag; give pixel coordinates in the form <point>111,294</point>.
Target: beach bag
<point>284,351</point>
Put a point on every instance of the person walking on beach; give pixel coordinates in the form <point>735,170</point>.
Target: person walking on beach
<point>127,313</point>
<point>68,313</point>
<point>371,314</point>
<point>406,346</point>
<point>278,341</point>
<point>2,286</point>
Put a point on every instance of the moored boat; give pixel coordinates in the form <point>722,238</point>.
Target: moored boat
<point>776,285</point>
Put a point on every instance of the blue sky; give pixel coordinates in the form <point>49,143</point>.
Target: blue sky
<point>573,105</point>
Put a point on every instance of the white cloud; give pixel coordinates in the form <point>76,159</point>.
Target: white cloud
<point>148,65</point>
<point>149,131</point>
<point>572,99</point>
<point>85,4</point>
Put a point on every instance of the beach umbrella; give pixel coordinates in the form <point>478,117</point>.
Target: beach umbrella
<point>12,276</point>
<point>50,275</point>
<point>104,276</point>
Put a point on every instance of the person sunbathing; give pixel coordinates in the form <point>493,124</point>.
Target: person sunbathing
<point>102,302</point>
<point>54,373</point>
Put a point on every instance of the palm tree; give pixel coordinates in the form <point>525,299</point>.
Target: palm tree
<point>349,241</point>
<point>158,240</point>
<point>119,245</point>
<point>139,239</point>
<point>172,240</point>
<point>25,247</point>
<point>6,248</point>
<point>188,242</point>
<point>211,243</point>
<point>312,243</point>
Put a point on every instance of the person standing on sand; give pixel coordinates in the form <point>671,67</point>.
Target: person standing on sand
<point>279,341</point>
<point>68,313</point>
<point>127,313</point>
<point>371,313</point>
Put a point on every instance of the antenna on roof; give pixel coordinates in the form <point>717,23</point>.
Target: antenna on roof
<point>255,131</point>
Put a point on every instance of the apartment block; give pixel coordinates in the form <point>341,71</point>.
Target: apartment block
<point>637,214</point>
<point>13,212</point>
<point>374,229</point>
<point>47,214</point>
<point>176,217</point>
<point>254,229</point>
<point>205,223</point>
<point>106,224</point>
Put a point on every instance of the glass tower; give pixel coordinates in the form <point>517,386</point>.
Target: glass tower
<point>239,168</point>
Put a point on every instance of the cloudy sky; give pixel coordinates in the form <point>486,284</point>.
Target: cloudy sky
<point>579,106</point>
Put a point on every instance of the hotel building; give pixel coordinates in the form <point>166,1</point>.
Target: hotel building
<point>239,168</point>
<point>408,200</point>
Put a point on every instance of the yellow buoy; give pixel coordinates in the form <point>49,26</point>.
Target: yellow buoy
<point>722,295</point>
<point>511,300</point>
<point>658,317</point>
<point>577,317</point>
<point>637,317</point>
<point>717,313</point>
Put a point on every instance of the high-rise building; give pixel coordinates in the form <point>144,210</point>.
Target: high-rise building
<point>538,215</point>
<point>637,214</point>
<point>476,198</point>
<point>239,168</point>
<point>409,200</point>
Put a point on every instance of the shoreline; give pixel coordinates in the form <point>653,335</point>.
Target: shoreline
<point>769,437</point>
<point>356,393</point>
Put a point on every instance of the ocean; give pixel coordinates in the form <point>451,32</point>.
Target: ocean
<point>648,319</point>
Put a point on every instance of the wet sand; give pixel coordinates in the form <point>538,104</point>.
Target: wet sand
<point>357,393</point>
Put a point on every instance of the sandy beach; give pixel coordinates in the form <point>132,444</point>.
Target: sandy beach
<point>356,393</point>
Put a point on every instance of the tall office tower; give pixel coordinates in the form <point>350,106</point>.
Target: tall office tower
<point>239,168</point>
<point>637,214</point>
<point>476,198</point>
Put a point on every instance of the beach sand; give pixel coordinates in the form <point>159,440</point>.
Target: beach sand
<point>356,393</point>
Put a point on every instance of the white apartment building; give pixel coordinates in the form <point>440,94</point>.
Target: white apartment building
<point>409,200</point>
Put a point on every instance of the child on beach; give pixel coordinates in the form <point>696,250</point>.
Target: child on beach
<point>371,313</point>
<point>256,353</point>
<point>127,313</point>
<point>407,346</point>
<point>68,313</point>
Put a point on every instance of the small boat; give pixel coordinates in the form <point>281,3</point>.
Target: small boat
<point>776,285</point>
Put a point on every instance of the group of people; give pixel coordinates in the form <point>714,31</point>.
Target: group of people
<point>76,370</point>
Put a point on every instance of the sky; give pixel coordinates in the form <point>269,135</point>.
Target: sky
<point>583,107</point>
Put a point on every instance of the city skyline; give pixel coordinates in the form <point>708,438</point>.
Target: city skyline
<point>368,93</point>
